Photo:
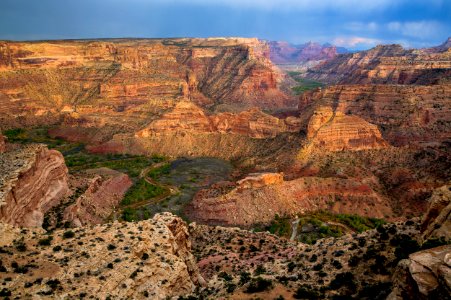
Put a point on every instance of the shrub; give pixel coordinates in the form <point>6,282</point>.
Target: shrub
<point>306,293</point>
<point>68,234</point>
<point>258,284</point>
<point>45,242</point>
<point>244,277</point>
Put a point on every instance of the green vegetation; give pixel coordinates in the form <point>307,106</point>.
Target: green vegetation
<point>321,224</point>
<point>129,214</point>
<point>140,191</point>
<point>304,84</point>
<point>156,173</point>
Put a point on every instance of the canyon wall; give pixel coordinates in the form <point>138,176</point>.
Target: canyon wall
<point>33,179</point>
<point>104,193</point>
<point>132,79</point>
<point>335,131</point>
<point>405,114</point>
<point>390,64</point>
<point>247,204</point>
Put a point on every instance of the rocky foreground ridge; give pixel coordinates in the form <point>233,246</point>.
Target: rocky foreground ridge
<point>148,259</point>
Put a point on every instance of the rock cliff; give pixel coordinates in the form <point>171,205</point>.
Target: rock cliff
<point>257,199</point>
<point>335,131</point>
<point>437,220</point>
<point>404,114</point>
<point>103,194</point>
<point>386,64</point>
<point>424,275</point>
<point>111,78</point>
<point>32,180</point>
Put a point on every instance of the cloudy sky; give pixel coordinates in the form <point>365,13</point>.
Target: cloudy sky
<point>356,24</point>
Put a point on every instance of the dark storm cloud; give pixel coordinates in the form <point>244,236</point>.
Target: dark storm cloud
<point>349,23</point>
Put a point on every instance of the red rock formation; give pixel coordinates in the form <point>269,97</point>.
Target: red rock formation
<point>97,203</point>
<point>405,114</point>
<point>437,220</point>
<point>139,77</point>
<point>335,131</point>
<point>32,180</point>
<point>386,64</point>
<point>249,204</point>
<point>424,275</point>
<point>187,117</point>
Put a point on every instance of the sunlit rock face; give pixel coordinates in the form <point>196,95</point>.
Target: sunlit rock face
<point>387,64</point>
<point>335,131</point>
<point>405,114</point>
<point>33,180</point>
<point>134,77</point>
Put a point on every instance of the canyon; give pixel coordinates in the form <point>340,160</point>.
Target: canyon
<point>342,191</point>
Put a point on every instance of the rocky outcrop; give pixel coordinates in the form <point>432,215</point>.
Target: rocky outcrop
<point>437,220</point>
<point>147,259</point>
<point>335,131</point>
<point>424,275</point>
<point>2,143</point>
<point>103,194</point>
<point>259,198</point>
<point>386,64</point>
<point>32,180</point>
<point>404,114</point>
<point>187,117</point>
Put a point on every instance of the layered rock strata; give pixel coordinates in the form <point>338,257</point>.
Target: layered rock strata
<point>32,180</point>
<point>187,117</point>
<point>104,193</point>
<point>404,114</point>
<point>259,198</point>
<point>335,131</point>
<point>386,64</point>
<point>133,79</point>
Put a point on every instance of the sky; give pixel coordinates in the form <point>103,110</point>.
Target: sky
<point>355,24</point>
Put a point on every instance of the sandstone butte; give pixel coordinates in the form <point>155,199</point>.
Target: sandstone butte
<point>387,64</point>
<point>32,180</point>
<point>335,131</point>
<point>405,114</point>
<point>187,117</point>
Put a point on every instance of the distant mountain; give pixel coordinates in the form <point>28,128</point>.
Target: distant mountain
<point>286,53</point>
